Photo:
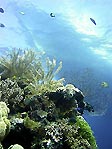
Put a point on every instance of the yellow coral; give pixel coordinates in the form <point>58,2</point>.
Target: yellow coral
<point>4,109</point>
<point>4,122</point>
<point>2,129</point>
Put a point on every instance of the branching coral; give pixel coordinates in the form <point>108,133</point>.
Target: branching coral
<point>61,134</point>
<point>53,136</point>
<point>73,138</point>
<point>43,88</point>
<point>45,84</point>
<point>29,70</point>
<point>16,64</point>
<point>11,94</point>
<point>51,72</point>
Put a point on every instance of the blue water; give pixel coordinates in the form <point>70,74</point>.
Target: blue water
<point>101,125</point>
<point>84,48</point>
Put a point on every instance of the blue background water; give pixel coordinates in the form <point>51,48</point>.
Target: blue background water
<point>84,48</point>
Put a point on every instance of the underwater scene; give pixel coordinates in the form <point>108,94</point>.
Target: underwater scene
<point>55,74</point>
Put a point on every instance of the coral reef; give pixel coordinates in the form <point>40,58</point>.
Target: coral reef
<point>44,113</point>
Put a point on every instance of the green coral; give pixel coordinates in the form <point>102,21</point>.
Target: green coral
<point>85,131</point>
<point>4,122</point>
<point>4,110</point>
<point>33,125</point>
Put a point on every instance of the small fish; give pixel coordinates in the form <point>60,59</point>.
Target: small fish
<point>93,21</point>
<point>52,15</point>
<point>104,84</point>
<point>21,12</point>
<point>2,25</point>
<point>1,10</point>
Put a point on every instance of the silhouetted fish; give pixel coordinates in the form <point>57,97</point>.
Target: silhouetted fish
<point>93,21</point>
<point>52,15</point>
<point>1,10</point>
<point>2,25</point>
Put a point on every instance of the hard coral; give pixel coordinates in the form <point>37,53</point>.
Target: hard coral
<point>4,122</point>
<point>85,131</point>
<point>61,134</point>
<point>11,94</point>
